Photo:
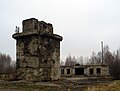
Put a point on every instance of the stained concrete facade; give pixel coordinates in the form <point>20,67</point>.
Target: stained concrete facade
<point>37,51</point>
<point>84,70</point>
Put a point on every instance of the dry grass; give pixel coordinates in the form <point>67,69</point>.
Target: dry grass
<point>112,86</point>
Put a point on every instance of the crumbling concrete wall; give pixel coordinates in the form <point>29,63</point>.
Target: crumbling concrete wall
<point>38,51</point>
<point>104,70</point>
<point>64,70</point>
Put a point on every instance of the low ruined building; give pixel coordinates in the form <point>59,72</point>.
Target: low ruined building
<point>84,70</point>
<point>37,51</point>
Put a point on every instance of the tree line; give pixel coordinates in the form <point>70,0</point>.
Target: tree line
<point>7,66</point>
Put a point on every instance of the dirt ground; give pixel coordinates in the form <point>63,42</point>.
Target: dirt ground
<point>11,90</point>
<point>63,84</point>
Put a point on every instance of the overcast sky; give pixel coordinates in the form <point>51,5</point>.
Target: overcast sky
<point>82,23</point>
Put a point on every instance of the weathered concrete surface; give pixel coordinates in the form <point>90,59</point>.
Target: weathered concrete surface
<point>37,51</point>
<point>104,70</point>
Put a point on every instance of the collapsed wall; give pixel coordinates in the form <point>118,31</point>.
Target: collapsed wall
<point>37,51</point>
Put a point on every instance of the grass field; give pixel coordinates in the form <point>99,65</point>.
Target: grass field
<point>111,86</point>
<point>69,85</point>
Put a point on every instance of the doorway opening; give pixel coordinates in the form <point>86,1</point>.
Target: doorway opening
<point>79,71</point>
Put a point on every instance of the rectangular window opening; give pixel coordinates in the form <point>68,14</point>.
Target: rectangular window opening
<point>91,71</point>
<point>68,71</point>
<point>98,71</point>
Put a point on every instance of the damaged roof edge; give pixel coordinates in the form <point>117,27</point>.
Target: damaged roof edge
<point>54,36</point>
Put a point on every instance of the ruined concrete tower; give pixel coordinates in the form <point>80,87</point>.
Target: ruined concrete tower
<point>37,51</point>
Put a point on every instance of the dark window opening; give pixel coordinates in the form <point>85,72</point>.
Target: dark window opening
<point>62,71</point>
<point>68,71</point>
<point>98,70</point>
<point>53,61</point>
<point>45,61</point>
<point>79,71</point>
<point>91,71</point>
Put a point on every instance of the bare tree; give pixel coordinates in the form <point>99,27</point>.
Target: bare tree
<point>112,60</point>
<point>4,63</point>
<point>94,58</point>
<point>80,60</point>
<point>70,61</point>
<point>115,65</point>
<point>107,57</point>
